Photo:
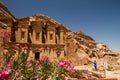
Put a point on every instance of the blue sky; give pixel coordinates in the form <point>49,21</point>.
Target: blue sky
<point>100,19</point>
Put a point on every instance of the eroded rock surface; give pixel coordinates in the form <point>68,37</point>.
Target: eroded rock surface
<point>78,46</point>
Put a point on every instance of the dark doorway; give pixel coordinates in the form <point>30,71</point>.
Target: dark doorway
<point>37,55</point>
<point>58,55</point>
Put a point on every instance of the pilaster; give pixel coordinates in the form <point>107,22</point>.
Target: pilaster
<point>61,34</point>
<point>61,37</point>
<point>33,37</point>
<point>26,35</point>
<point>18,35</point>
<point>62,54</point>
<point>48,37</point>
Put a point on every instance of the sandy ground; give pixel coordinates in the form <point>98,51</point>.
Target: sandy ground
<point>108,74</point>
<point>113,74</point>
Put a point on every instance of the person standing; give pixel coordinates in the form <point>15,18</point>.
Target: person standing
<point>95,64</point>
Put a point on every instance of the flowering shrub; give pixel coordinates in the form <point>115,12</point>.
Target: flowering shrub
<point>5,35</point>
<point>20,67</point>
<point>23,68</point>
<point>4,75</point>
<point>67,64</point>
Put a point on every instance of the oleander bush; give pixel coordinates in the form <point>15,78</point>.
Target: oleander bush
<point>18,66</point>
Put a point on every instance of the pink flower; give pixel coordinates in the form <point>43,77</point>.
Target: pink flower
<point>71,68</point>
<point>5,34</point>
<point>37,63</point>
<point>25,51</point>
<point>16,73</point>
<point>65,78</point>
<point>62,63</point>
<point>13,57</point>
<point>30,62</point>
<point>37,79</point>
<point>67,65</point>
<point>44,58</point>
<point>5,77</point>
<point>8,64</point>
<point>0,74</point>
<point>6,71</point>
<point>18,79</point>
<point>5,74</point>
<point>18,45</point>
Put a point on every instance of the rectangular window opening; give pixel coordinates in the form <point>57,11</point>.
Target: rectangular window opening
<point>51,36</point>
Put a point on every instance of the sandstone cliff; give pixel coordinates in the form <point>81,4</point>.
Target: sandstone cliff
<point>82,49</point>
<point>79,47</point>
<point>6,16</point>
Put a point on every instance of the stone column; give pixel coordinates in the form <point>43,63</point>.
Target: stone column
<point>62,54</point>
<point>54,37</point>
<point>31,54</point>
<point>46,52</point>
<point>18,35</point>
<point>42,53</point>
<point>40,37</point>
<point>33,36</point>
<point>50,52</point>
<point>48,37</point>
<point>61,37</point>
<point>53,54</point>
<point>26,35</point>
